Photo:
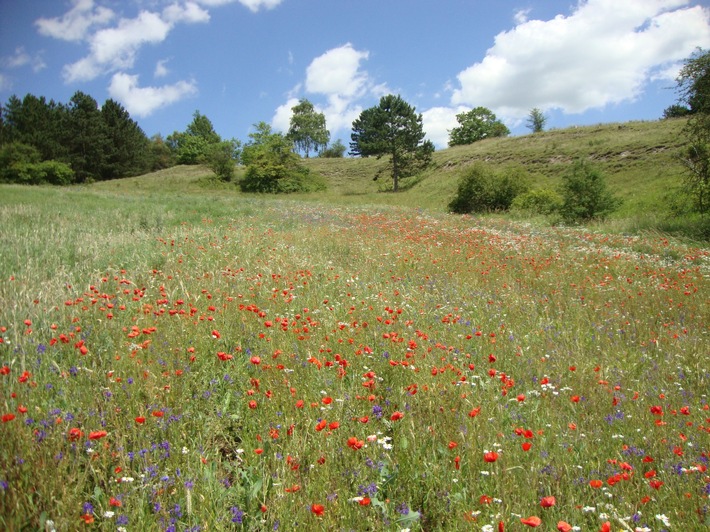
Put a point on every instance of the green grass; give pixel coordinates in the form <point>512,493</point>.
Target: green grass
<point>137,307</point>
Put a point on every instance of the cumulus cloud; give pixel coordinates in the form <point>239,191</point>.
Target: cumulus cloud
<point>438,121</point>
<point>338,79</point>
<point>161,70</point>
<point>142,101</point>
<point>116,48</point>
<point>604,52</point>
<point>75,24</point>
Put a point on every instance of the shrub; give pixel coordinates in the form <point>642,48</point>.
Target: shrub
<point>221,158</point>
<point>483,190</point>
<point>585,195</point>
<point>274,173</point>
<point>45,172</point>
<point>538,201</point>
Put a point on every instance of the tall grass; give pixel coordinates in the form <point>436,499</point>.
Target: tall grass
<point>174,361</point>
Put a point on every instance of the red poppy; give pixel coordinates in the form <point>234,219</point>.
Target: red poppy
<point>255,360</point>
<point>224,356</point>
<point>87,518</point>
<point>259,450</point>
<point>216,335</point>
<point>532,521</point>
<point>140,420</point>
<point>354,443</point>
<point>8,417</point>
<point>75,434</point>
<point>321,425</point>
<point>526,446</point>
<point>595,483</point>
<point>97,434</point>
<point>490,456</point>
<point>364,501</point>
<point>548,502</point>
<point>252,404</point>
<point>318,509</point>
<point>396,416</point>
<point>606,527</point>
<point>562,526</point>
<point>113,501</point>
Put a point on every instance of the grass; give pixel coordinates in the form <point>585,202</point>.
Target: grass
<point>175,354</point>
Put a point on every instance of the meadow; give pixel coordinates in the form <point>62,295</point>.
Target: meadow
<point>214,361</point>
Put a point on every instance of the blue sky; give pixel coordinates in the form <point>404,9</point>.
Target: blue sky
<point>240,62</point>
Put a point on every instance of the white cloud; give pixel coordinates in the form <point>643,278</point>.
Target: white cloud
<point>189,12</point>
<point>142,101</point>
<point>75,23</point>
<point>252,5</point>
<point>335,76</point>
<point>21,58</point>
<point>282,117</point>
<point>160,69</point>
<point>604,52</point>
<point>438,121</point>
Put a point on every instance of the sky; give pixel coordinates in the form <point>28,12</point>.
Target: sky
<point>240,62</point>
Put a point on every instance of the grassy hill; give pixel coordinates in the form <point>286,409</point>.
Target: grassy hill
<point>637,159</point>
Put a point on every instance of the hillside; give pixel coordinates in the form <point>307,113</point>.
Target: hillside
<point>637,158</point>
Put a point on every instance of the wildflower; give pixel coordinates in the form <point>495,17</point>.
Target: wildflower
<point>318,509</point>
<point>548,502</point>
<point>396,416</point>
<point>87,518</point>
<point>532,521</point>
<point>563,526</point>
<point>97,434</point>
<point>75,434</point>
<point>595,483</point>
<point>490,456</point>
<point>8,417</point>
<point>140,420</point>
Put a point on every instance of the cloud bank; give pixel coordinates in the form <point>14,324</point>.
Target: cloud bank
<point>605,52</point>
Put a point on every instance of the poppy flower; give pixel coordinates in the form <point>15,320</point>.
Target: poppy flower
<point>87,518</point>
<point>317,509</point>
<point>396,416</point>
<point>526,446</point>
<point>216,335</point>
<point>140,420</point>
<point>75,434</point>
<point>490,456</point>
<point>113,501</point>
<point>563,526</point>
<point>354,443</point>
<point>97,434</point>
<point>8,417</point>
<point>606,527</point>
<point>532,521</point>
<point>595,483</point>
<point>364,501</point>
<point>547,502</point>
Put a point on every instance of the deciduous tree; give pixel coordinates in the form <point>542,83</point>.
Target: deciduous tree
<point>307,129</point>
<point>477,124</point>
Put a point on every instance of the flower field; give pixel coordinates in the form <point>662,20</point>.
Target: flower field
<point>229,364</point>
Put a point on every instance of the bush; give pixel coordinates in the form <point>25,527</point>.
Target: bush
<point>221,158</point>
<point>483,190</point>
<point>334,151</point>
<point>46,172</point>
<point>585,195</point>
<point>279,174</point>
<point>539,201</point>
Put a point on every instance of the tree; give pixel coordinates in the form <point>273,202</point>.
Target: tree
<point>307,130</point>
<point>536,120</point>
<point>694,91</point>
<point>85,137</point>
<point>334,151</point>
<point>481,189</point>
<point>222,157</point>
<point>194,144</point>
<point>392,128</point>
<point>477,124</point>
<point>585,195</point>
<point>127,147</point>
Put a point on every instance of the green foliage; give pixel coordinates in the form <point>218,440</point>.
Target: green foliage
<point>194,145</point>
<point>97,143</point>
<point>161,156</point>
<point>307,130</point>
<point>334,151</point>
<point>21,164</point>
<point>585,195</point>
<point>694,88</point>
<point>273,167</point>
<point>222,157</point>
<point>481,189</point>
<point>477,124</point>
<point>538,201</point>
<point>536,121</point>
<point>676,111</point>
<point>392,128</point>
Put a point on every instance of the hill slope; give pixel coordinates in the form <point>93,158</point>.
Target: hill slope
<point>637,159</point>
